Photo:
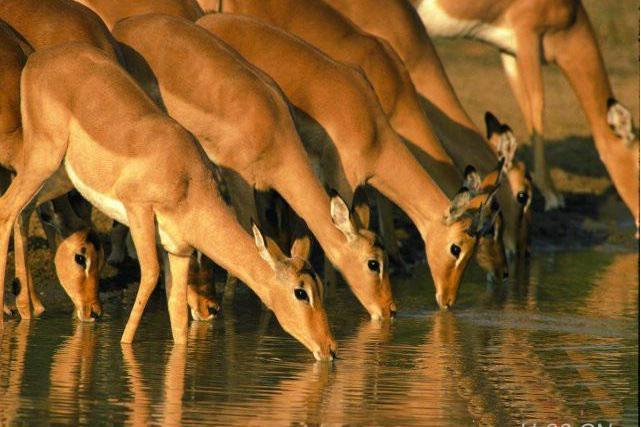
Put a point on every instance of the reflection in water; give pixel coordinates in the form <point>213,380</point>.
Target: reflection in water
<point>556,346</point>
<point>71,376</point>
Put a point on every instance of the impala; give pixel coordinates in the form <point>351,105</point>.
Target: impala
<point>86,120</point>
<point>241,119</point>
<point>529,33</point>
<point>398,23</point>
<point>332,33</point>
<point>363,147</point>
<point>111,11</point>
<point>36,21</point>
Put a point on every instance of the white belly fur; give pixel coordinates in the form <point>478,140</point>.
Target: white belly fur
<point>109,206</point>
<point>440,24</point>
<point>116,210</point>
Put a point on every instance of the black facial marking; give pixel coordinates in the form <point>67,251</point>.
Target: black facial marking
<point>611,102</point>
<point>378,243</point>
<point>307,270</point>
<point>92,237</point>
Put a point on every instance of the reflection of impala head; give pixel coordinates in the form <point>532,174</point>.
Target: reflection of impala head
<point>78,260</point>
<point>452,240</point>
<point>367,269</point>
<point>296,297</point>
<point>518,178</point>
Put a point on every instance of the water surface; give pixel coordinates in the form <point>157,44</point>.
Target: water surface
<point>559,344</point>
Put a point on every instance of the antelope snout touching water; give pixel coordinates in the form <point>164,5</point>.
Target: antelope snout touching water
<point>375,293</point>
<point>300,309</point>
<point>471,215</point>
<point>78,260</point>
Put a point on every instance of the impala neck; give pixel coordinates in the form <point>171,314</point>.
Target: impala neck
<point>310,201</point>
<point>215,231</point>
<point>465,145</point>
<point>431,82</point>
<point>402,180</point>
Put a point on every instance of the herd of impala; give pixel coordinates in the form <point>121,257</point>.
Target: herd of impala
<point>177,119</point>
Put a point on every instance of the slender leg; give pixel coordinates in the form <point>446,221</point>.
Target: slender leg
<point>177,297</point>
<point>11,203</point>
<point>524,76</point>
<point>143,232</point>
<point>386,224</point>
<point>244,203</point>
<point>118,250</point>
<point>27,301</point>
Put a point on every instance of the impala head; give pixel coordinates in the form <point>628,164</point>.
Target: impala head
<point>79,259</point>
<point>490,253</point>
<point>296,297</point>
<point>502,137</point>
<point>452,240</point>
<point>364,264</point>
<point>620,121</point>
<point>200,290</point>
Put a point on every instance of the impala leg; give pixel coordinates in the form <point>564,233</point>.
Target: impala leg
<point>177,297</point>
<point>23,188</point>
<point>117,237</point>
<point>143,233</point>
<point>526,81</point>
<point>27,301</point>
<point>244,203</point>
<point>386,224</point>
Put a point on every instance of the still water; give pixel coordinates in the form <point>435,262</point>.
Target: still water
<point>557,345</point>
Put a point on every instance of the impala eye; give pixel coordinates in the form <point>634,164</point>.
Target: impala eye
<point>374,265</point>
<point>455,250</point>
<point>522,197</point>
<point>301,295</point>
<point>81,260</point>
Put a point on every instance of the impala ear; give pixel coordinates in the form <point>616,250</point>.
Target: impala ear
<point>492,124</point>
<point>620,121</point>
<point>458,206</point>
<point>506,147</point>
<point>360,208</point>
<point>301,247</point>
<point>341,216</point>
<point>267,248</point>
<point>488,213</point>
<point>471,179</point>
<point>49,216</point>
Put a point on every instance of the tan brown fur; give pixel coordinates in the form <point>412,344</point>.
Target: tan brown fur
<point>244,125</point>
<point>76,100</point>
<point>42,24</point>
<point>363,146</point>
<point>397,22</point>
<point>111,11</point>
<point>560,32</point>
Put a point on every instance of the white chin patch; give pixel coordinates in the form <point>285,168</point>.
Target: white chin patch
<point>197,317</point>
<point>620,121</point>
<point>82,319</point>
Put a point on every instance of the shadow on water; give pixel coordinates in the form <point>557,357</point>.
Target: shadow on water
<point>559,344</point>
